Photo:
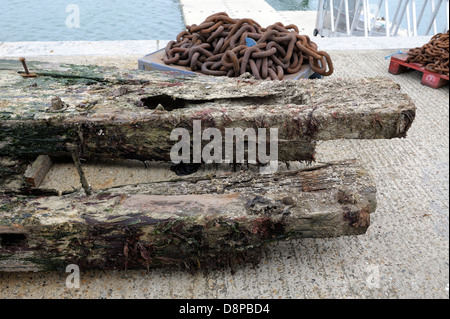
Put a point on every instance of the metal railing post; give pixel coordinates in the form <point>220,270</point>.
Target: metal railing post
<point>380,3</point>
<point>394,20</point>
<point>338,16</point>
<point>447,10</point>
<point>356,14</point>
<point>347,18</point>
<point>433,18</point>
<point>414,17</point>
<point>434,22</point>
<point>386,13</point>
<point>402,14</point>
<point>408,18</point>
<point>319,18</point>
<point>366,19</point>
<point>332,15</point>
<point>421,12</point>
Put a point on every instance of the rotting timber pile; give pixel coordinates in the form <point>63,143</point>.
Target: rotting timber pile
<point>209,221</point>
<point>224,46</point>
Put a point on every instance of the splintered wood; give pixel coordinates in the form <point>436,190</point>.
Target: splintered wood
<point>36,173</point>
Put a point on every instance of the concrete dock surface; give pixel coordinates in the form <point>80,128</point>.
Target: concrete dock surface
<point>404,254</point>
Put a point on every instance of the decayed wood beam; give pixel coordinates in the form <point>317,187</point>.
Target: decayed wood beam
<point>190,223</point>
<point>109,112</point>
<point>12,172</point>
<point>37,172</point>
<point>76,160</point>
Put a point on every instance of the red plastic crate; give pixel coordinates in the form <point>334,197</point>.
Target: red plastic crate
<point>432,79</point>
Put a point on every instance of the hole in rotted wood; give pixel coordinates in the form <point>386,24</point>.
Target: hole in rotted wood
<point>169,103</point>
<point>183,169</point>
<point>12,240</point>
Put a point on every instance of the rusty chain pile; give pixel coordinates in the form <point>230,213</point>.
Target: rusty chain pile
<point>434,55</point>
<point>224,46</point>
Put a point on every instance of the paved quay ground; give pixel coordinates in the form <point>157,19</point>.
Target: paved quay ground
<point>404,254</point>
<point>258,10</point>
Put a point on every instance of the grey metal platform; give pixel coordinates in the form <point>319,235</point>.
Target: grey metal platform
<point>154,61</point>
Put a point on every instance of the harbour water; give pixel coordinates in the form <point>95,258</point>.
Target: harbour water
<point>76,20</point>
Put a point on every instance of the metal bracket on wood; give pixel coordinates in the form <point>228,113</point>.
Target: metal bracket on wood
<point>76,160</point>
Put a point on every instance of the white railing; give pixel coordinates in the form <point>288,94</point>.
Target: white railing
<point>372,18</point>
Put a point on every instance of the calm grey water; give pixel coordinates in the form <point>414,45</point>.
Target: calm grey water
<point>47,20</point>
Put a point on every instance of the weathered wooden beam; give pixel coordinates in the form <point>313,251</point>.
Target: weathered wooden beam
<point>109,112</point>
<point>37,172</point>
<point>205,222</point>
<point>12,172</point>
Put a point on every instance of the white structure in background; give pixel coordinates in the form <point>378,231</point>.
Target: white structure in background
<point>363,18</point>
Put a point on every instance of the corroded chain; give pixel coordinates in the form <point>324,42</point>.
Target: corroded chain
<point>434,55</point>
<point>219,46</point>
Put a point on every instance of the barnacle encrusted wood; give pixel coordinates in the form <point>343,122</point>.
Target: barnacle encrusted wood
<point>108,112</point>
<point>193,223</point>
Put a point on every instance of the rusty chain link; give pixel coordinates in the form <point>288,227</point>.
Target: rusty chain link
<point>218,46</point>
<point>434,55</point>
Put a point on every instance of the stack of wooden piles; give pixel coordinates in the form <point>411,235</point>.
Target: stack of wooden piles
<point>90,112</point>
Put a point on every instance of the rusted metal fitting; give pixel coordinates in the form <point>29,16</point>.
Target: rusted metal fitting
<point>27,73</point>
